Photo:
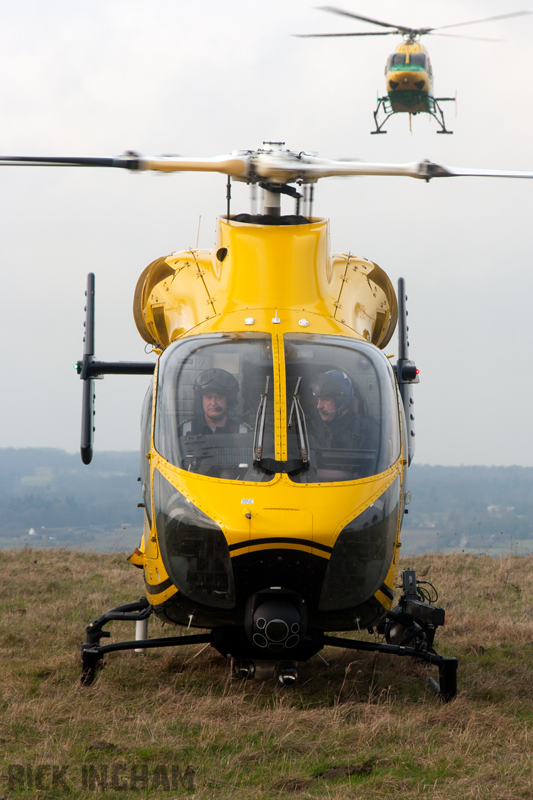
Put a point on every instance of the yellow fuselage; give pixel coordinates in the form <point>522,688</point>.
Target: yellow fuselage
<point>409,78</point>
<point>282,278</point>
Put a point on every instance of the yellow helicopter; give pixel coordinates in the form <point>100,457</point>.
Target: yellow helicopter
<point>275,434</point>
<point>408,72</point>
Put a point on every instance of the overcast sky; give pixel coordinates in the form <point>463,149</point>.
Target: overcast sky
<point>202,78</point>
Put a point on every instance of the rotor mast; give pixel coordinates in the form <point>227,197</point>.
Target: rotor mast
<point>272,200</point>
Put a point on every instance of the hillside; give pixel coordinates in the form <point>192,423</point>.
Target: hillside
<point>362,726</point>
<point>469,509</point>
<point>66,503</point>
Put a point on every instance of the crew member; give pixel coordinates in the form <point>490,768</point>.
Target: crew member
<point>215,393</point>
<point>341,426</point>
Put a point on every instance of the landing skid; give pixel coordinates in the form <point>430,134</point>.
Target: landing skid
<point>92,652</point>
<point>409,630</point>
<point>436,112</point>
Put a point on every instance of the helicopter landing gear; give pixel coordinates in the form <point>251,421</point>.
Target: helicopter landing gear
<point>387,109</point>
<point>432,108</point>
<point>446,688</point>
<point>90,664</point>
<point>92,652</point>
<point>447,685</point>
<point>438,109</point>
<point>409,630</point>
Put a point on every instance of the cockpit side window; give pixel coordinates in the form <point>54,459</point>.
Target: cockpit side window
<point>418,60</point>
<point>347,395</point>
<point>210,389</point>
<point>397,59</point>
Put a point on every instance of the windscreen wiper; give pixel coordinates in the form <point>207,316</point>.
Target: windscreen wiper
<point>297,410</point>
<point>271,465</point>
<point>260,421</point>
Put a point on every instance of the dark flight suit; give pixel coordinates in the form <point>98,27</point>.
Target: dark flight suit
<point>350,432</point>
<point>198,427</point>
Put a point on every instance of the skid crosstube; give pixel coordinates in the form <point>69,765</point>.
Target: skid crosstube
<point>231,641</point>
<point>447,686</point>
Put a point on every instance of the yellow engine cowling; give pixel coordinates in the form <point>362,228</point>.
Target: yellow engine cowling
<point>264,266</point>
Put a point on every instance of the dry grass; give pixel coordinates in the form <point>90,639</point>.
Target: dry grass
<point>367,726</point>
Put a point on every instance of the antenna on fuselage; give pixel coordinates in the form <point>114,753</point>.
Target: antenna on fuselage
<point>90,370</point>
<point>87,414</point>
<point>406,371</point>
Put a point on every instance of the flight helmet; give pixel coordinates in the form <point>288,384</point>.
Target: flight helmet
<point>334,383</point>
<point>219,381</point>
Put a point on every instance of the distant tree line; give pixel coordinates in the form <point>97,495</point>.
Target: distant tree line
<point>472,501</point>
<point>44,487</point>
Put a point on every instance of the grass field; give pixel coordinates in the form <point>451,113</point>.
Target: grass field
<point>172,724</point>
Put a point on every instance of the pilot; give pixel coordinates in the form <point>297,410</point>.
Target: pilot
<point>215,393</point>
<point>341,426</point>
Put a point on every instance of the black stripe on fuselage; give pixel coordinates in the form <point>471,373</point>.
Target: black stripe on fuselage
<point>280,540</point>
<point>386,591</point>
<point>157,588</point>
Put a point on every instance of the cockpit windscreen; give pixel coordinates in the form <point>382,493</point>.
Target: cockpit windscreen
<point>346,393</point>
<point>215,405</point>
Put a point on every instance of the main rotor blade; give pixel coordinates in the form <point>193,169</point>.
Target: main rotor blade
<point>234,165</point>
<point>342,13</point>
<point>227,164</point>
<point>311,169</point>
<point>485,19</point>
<point>278,166</point>
<point>421,31</point>
<point>368,33</point>
<point>60,161</point>
<point>436,171</point>
<point>474,38</point>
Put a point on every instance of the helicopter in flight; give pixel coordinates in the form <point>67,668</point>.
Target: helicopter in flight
<point>276,435</point>
<point>408,71</point>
